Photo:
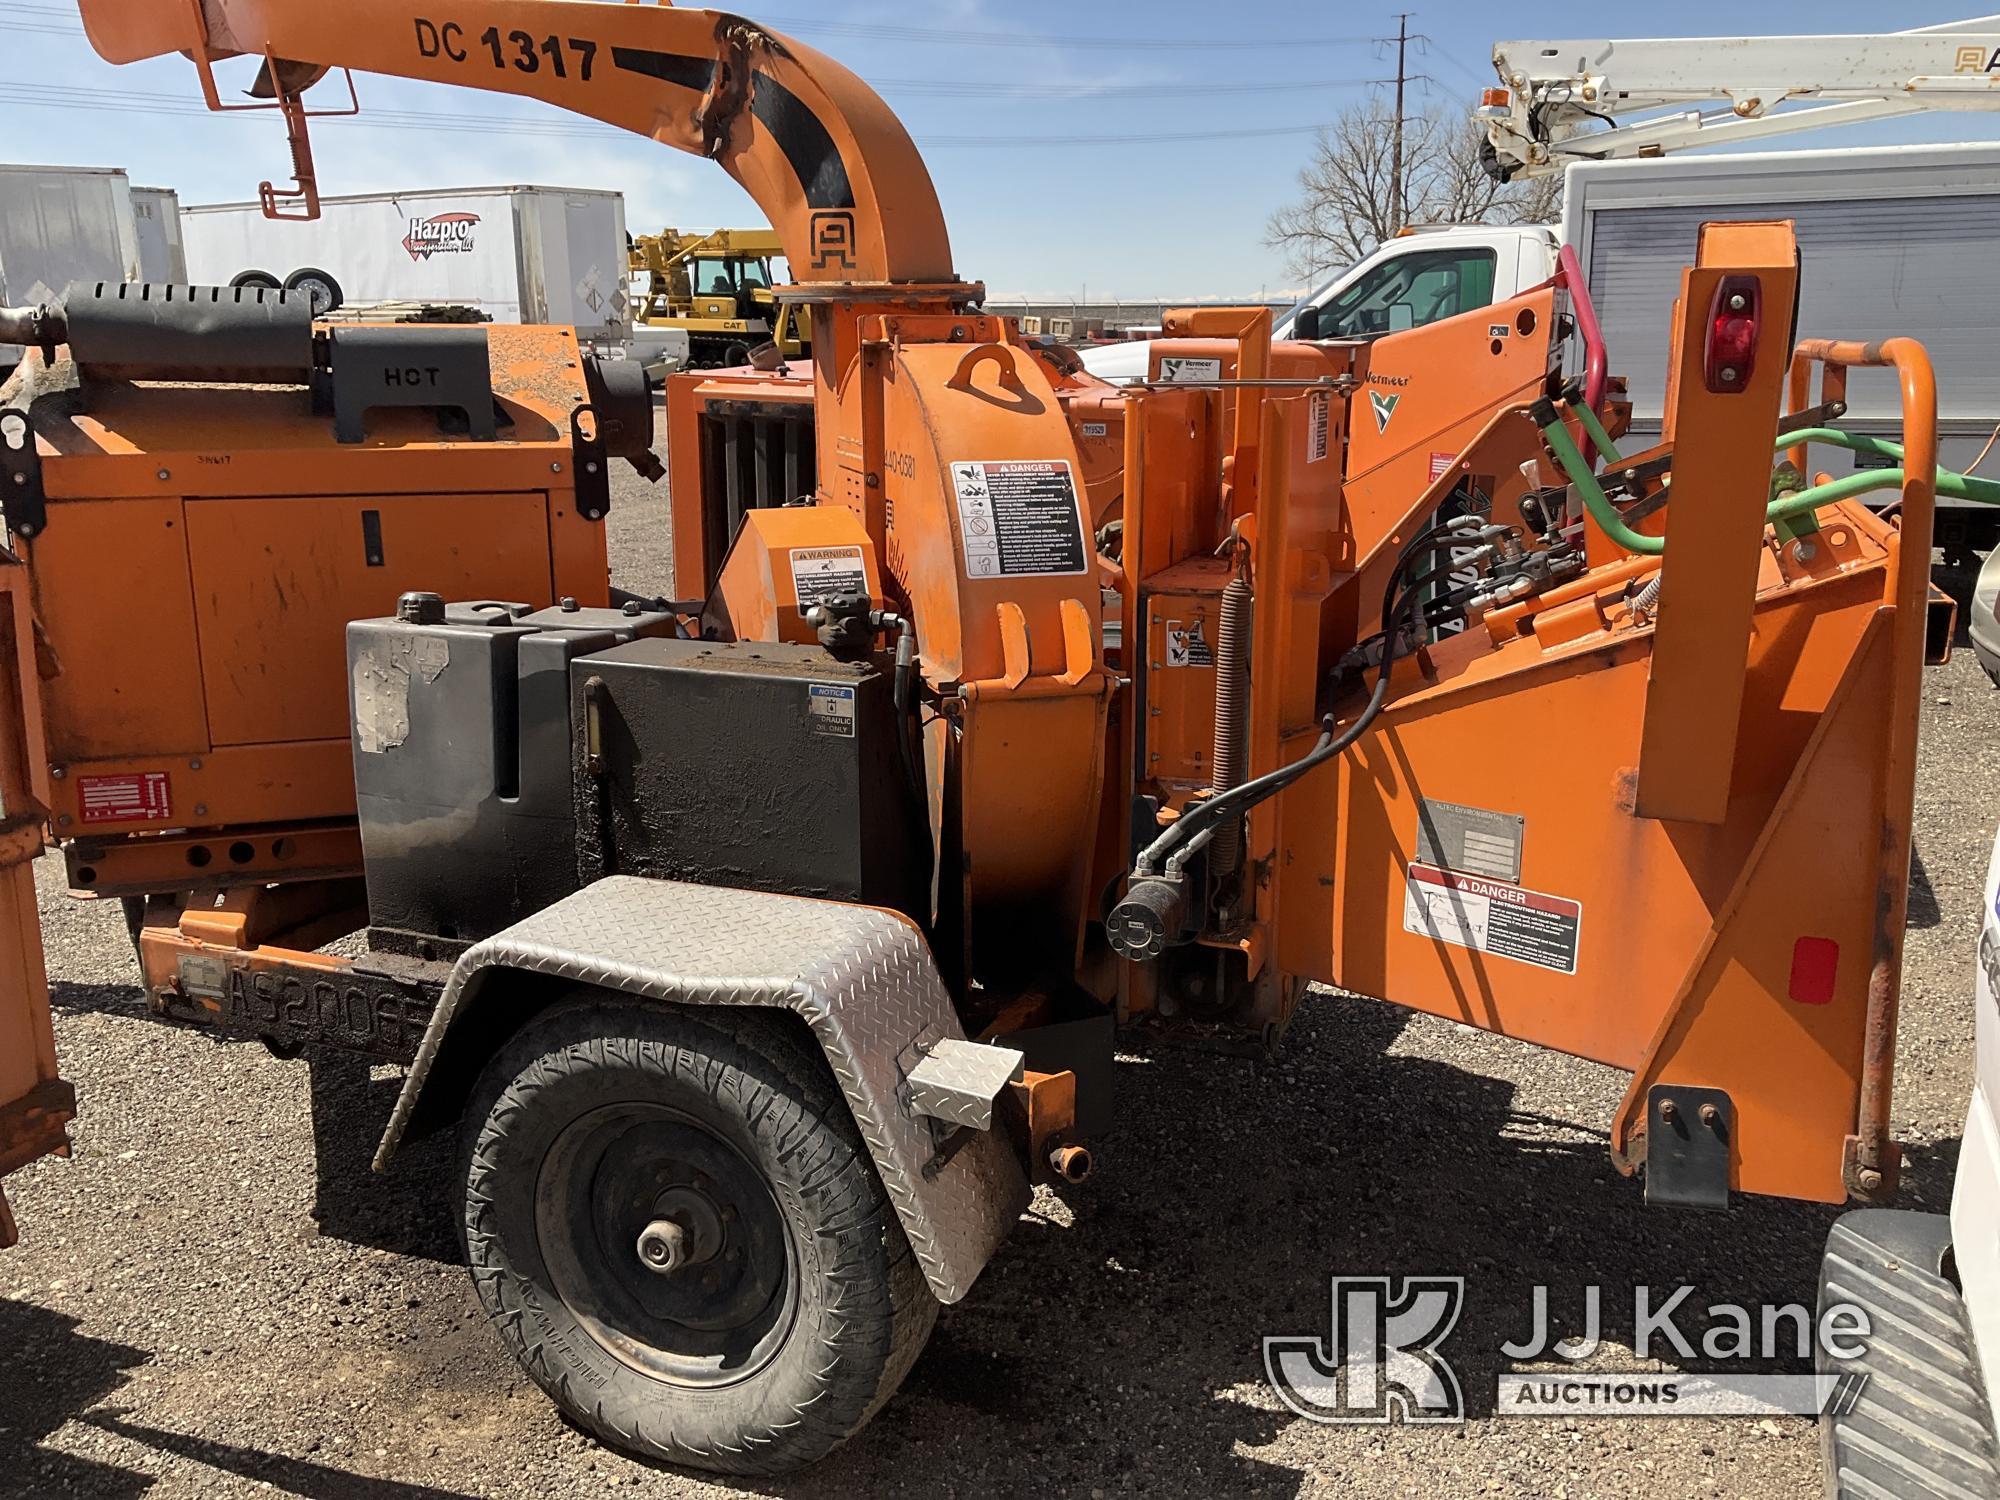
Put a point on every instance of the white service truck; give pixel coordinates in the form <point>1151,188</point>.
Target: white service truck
<point>1893,240</point>
<point>520,254</point>
<point>1920,1423</point>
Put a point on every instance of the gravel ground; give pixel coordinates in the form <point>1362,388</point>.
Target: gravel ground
<point>196,1309</point>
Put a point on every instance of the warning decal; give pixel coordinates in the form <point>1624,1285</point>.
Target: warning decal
<point>1019,518</point>
<point>1488,917</point>
<point>821,573</point>
<point>141,796</point>
<point>1319,425</point>
<point>832,709</point>
<point>1186,647</point>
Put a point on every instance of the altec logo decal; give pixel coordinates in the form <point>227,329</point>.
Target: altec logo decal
<point>440,234</point>
<point>1975,60</point>
<point>1385,408</point>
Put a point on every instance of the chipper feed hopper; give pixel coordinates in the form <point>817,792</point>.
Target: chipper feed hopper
<point>765,944</point>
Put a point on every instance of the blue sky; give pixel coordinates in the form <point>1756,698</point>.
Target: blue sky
<point>1135,218</point>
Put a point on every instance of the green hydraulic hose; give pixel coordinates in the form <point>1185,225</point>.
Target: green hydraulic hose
<point>1950,485</point>
<point>1594,429</point>
<point>1873,446</point>
<point>1602,511</point>
<point>1863,482</point>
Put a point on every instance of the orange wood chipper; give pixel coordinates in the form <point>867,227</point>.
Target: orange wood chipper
<point>764,945</point>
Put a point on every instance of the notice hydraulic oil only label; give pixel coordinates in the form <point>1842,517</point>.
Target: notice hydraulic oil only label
<point>1490,917</point>
<point>1019,519</point>
<point>832,708</point>
<point>822,573</point>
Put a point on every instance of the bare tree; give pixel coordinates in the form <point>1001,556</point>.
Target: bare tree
<point>1347,199</point>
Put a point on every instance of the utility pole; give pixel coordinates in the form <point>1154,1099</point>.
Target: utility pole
<point>1396,159</point>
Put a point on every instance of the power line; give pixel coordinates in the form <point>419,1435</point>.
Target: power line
<point>961,88</point>
<point>1084,91</point>
<point>128,102</point>
<point>960,37</point>
<point>1118,140</point>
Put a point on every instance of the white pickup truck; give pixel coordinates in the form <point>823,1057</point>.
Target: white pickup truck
<point>1894,240</point>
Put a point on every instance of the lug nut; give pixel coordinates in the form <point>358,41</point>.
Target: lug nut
<point>663,1247</point>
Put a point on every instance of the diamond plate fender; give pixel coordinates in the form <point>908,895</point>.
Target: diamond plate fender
<point>862,978</point>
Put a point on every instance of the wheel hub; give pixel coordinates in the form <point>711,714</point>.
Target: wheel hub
<point>687,1233</point>
<point>667,1244</point>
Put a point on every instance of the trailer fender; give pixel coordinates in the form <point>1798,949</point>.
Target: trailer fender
<point>862,979</point>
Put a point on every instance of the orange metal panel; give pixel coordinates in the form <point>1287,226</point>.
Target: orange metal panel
<point>778,552</point>
<point>1715,530</point>
<point>286,575</point>
<point>35,1104</point>
<point>113,594</point>
<point>285,782</point>
<point>1182,623</point>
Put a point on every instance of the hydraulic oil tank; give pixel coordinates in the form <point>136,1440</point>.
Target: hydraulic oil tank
<point>462,760</point>
<point>752,764</point>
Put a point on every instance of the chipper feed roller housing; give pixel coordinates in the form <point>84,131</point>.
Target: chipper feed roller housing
<point>763,945</point>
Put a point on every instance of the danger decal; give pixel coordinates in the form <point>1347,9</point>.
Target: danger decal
<point>1487,916</point>
<point>1019,518</point>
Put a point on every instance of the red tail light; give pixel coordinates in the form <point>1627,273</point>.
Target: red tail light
<point>1732,334</point>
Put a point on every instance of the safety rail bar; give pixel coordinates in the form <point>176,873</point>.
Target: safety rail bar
<point>1872,1164</point>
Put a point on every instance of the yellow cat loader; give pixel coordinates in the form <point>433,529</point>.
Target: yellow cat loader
<point>718,288</point>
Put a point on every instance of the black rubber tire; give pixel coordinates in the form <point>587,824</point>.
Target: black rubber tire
<point>735,356</point>
<point>262,280</point>
<point>306,276</point>
<point>862,1311</point>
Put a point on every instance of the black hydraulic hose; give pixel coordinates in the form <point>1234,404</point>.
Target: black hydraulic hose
<point>1330,744</point>
<point>1250,793</point>
<point>904,684</point>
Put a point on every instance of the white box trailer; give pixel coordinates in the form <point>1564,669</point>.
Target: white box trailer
<point>518,254</point>
<point>1892,240</point>
<point>58,225</point>
<point>156,217</point>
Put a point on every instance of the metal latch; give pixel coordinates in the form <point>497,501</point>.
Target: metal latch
<point>22,498</point>
<point>958,1082</point>
<point>1687,1145</point>
<point>591,464</point>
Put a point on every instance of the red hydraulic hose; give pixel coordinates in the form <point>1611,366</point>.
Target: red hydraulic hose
<point>1569,276</point>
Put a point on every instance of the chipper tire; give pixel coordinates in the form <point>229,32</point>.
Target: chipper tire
<point>790,1307</point>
